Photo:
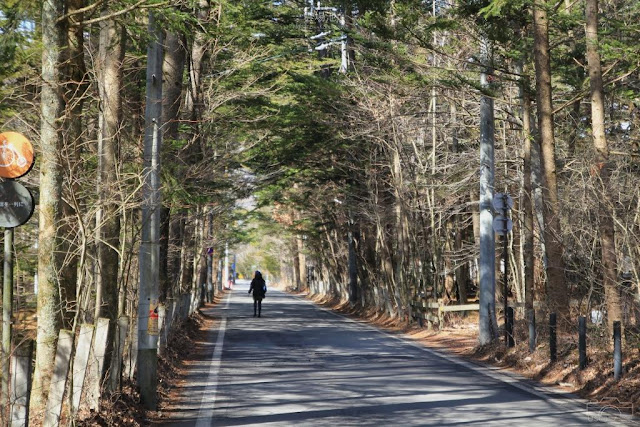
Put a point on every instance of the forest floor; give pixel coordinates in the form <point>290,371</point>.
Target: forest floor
<point>595,383</point>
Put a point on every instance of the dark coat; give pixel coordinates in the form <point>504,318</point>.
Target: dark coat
<point>258,287</point>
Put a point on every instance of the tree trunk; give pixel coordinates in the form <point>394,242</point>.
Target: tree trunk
<point>176,238</point>
<point>601,169</point>
<point>52,106</point>
<point>557,291</point>
<point>110,56</point>
<point>527,205</point>
<point>75,86</point>
<point>172,70</point>
<point>198,49</point>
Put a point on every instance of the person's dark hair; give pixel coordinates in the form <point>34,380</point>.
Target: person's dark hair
<point>258,275</point>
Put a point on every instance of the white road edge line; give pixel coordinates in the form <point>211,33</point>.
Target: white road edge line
<point>494,373</point>
<point>212,379</point>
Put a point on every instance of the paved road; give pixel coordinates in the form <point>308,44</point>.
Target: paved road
<point>304,366</point>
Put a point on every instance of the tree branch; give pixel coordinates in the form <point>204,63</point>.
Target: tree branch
<point>139,5</point>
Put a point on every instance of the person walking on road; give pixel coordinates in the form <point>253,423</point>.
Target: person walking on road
<point>259,288</point>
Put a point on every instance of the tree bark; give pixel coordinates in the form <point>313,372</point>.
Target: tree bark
<point>52,106</point>
<point>110,56</point>
<point>557,292</point>
<point>601,168</point>
<point>528,205</point>
<point>74,87</point>
<point>172,70</point>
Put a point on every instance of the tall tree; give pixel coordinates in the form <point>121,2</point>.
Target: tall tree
<point>109,70</point>
<point>557,291</point>
<point>49,310</point>
<point>110,56</point>
<point>173,72</point>
<point>601,169</point>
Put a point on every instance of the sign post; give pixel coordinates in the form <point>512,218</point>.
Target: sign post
<point>502,224</point>
<point>16,207</point>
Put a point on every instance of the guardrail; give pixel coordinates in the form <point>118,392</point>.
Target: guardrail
<point>422,310</point>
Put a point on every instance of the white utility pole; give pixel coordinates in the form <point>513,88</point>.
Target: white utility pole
<point>150,244</point>
<point>344,63</point>
<point>488,325</point>
<point>225,270</point>
<point>210,281</point>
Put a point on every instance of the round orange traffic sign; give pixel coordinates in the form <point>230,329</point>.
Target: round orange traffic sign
<point>16,155</point>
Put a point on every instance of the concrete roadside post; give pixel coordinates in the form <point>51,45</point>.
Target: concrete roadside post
<point>99,350</point>
<point>80,362</point>
<point>59,379</point>
<point>21,383</point>
<point>118,352</point>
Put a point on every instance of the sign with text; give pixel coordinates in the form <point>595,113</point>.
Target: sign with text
<point>16,155</point>
<point>16,204</point>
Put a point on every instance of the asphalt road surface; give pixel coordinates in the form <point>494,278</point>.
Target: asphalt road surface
<point>300,365</point>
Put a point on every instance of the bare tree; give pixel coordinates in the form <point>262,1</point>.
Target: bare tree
<point>601,168</point>
<point>557,295</point>
<point>50,312</point>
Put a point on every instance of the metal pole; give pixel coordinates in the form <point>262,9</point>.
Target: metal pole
<point>617,350</point>
<point>582,341</point>
<point>532,330</point>
<point>509,327</point>
<point>553,342</point>
<point>150,246</point>
<point>488,327</point>
<point>505,260</point>
<point>7,310</point>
